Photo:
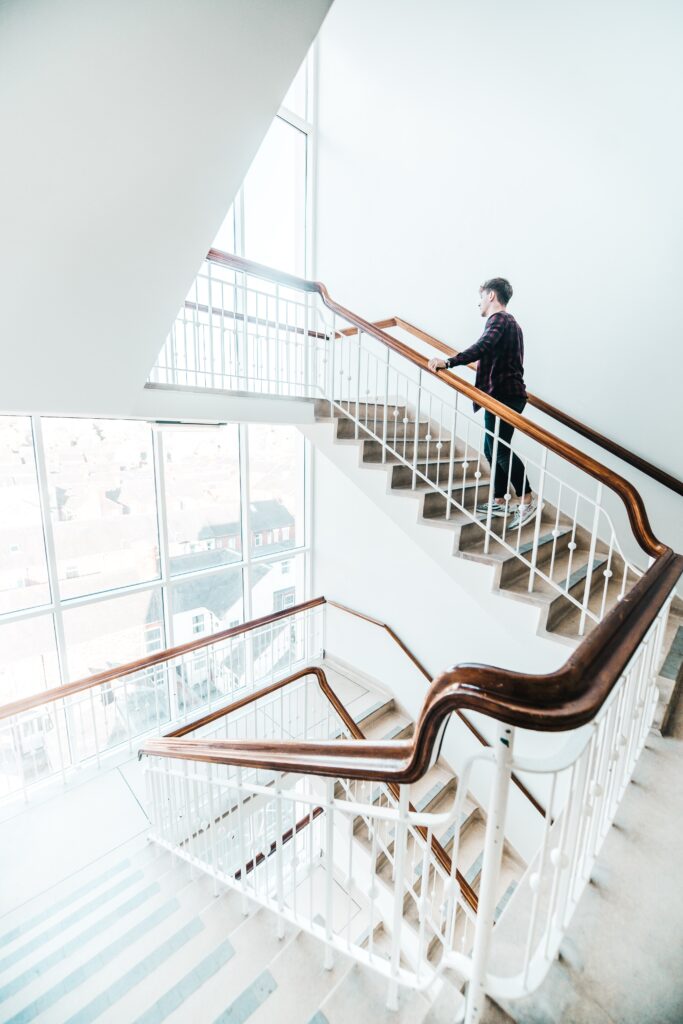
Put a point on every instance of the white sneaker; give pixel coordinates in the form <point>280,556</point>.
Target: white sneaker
<point>524,514</point>
<point>497,510</point>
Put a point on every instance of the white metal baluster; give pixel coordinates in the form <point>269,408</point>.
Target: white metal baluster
<point>492,486</point>
<point>451,464</point>
<point>428,439</point>
<point>211,342</point>
<point>373,882</point>
<point>591,558</point>
<point>555,531</point>
<point>416,444</point>
<point>360,335</point>
<point>243,854</point>
<point>539,874</point>
<point>385,417</point>
<point>399,885</point>
<point>537,524</point>
<point>60,746</point>
<point>607,573</point>
<point>493,851</point>
<point>309,378</point>
<point>278,857</point>
<point>571,546</point>
<point>333,353</point>
<point>212,828</point>
<point>465,463</point>
<point>329,873</point>
<point>422,907</point>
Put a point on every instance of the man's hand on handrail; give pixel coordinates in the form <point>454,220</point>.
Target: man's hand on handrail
<point>437,364</point>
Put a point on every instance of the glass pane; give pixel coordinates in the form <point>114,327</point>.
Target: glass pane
<point>28,658</point>
<point>102,502</point>
<point>202,481</point>
<point>225,239</point>
<point>276,586</point>
<point>295,100</point>
<point>32,745</point>
<point>103,635</point>
<point>23,566</point>
<point>276,488</point>
<point>109,633</point>
<point>275,201</point>
<point>203,605</point>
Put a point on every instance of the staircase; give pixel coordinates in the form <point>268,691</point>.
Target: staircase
<point>563,547</point>
<point>142,935</point>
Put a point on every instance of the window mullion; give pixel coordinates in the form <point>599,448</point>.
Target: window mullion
<point>50,548</point>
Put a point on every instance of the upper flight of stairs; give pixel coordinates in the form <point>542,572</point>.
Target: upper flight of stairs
<point>558,618</point>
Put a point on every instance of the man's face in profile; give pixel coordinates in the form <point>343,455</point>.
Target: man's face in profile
<point>485,300</point>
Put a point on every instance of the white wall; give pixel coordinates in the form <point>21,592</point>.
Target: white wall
<point>364,560</point>
<point>531,140</point>
<point>127,128</point>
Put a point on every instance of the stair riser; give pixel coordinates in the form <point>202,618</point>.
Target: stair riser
<point>513,569</point>
<point>435,504</point>
<point>370,410</point>
<point>438,474</point>
<point>372,452</point>
<point>398,434</point>
<point>561,606</point>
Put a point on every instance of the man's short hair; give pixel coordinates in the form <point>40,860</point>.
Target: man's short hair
<point>500,286</point>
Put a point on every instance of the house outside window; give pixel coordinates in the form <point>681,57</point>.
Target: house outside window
<point>283,599</point>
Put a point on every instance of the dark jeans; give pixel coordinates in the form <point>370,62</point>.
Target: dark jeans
<point>517,474</point>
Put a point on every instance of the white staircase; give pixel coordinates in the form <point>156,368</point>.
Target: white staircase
<point>142,935</point>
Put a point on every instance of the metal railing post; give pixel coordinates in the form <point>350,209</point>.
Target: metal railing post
<point>492,485</point>
<point>537,525</point>
<point>360,336</point>
<point>493,851</point>
<point>417,429</point>
<point>385,417</point>
<point>329,873</point>
<point>591,559</point>
<point>399,883</point>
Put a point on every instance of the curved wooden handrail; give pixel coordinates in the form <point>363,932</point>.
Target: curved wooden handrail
<point>353,728</point>
<point>556,701</point>
<point>648,468</point>
<point>631,498</point>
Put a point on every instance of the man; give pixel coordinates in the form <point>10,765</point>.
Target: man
<point>500,373</point>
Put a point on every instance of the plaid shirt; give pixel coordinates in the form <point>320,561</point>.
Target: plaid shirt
<point>500,356</point>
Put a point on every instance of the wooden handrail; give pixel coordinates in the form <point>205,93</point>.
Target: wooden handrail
<point>648,468</point>
<point>631,498</point>
<point>150,660</point>
<point>461,714</point>
<point>556,701</point>
<point>352,727</point>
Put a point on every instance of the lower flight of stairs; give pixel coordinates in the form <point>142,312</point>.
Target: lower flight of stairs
<point>136,939</point>
<point>138,936</point>
<point>563,551</point>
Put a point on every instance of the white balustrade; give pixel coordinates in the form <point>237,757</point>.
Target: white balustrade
<point>340,858</point>
<point>69,733</point>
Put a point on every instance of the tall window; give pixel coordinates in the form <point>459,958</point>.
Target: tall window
<point>269,221</point>
<point>119,539</point>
